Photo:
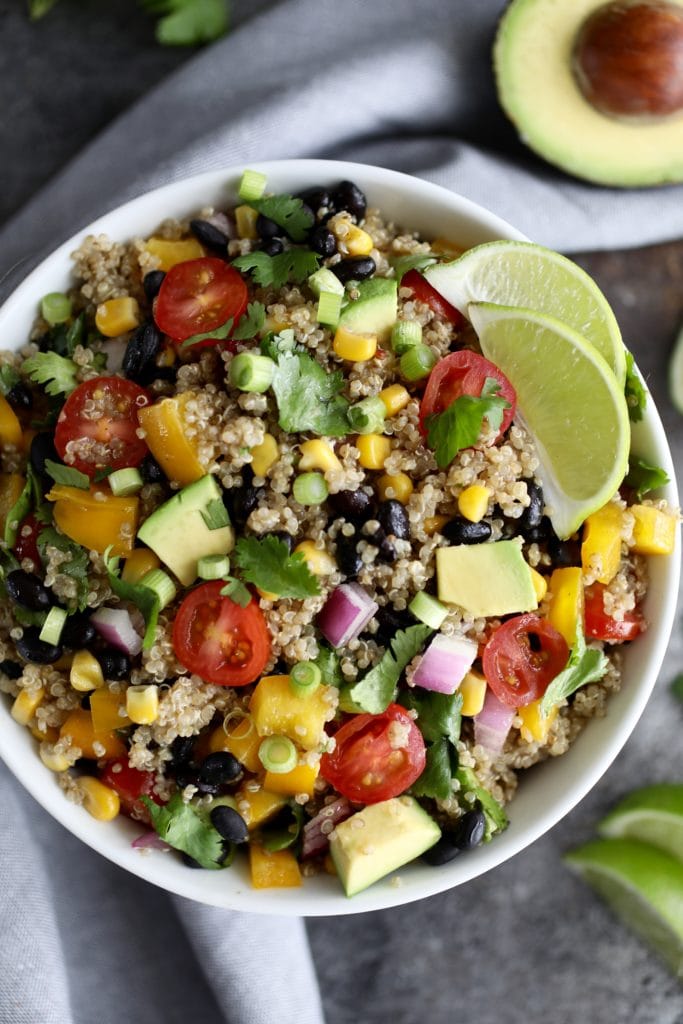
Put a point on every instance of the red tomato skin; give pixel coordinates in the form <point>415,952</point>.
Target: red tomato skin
<point>198,296</point>
<point>116,429</point>
<point>206,629</point>
<point>464,373</point>
<point>517,674</point>
<point>360,766</point>
<point>26,544</point>
<point>601,626</point>
<point>423,292</point>
<point>130,784</point>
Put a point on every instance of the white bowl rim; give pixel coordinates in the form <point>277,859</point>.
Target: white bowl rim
<point>314,899</point>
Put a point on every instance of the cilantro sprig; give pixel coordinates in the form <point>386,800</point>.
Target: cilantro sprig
<point>308,398</point>
<point>288,212</point>
<point>67,476</point>
<point>585,665</point>
<point>460,424</point>
<point>438,719</point>
<point>144,598</point>
<point>56,373</point>
<point>643,477</point>
<point>182,827</point>
<point>76,566</point>
<point>267,563</point>
<point>376,690</point>
<point>248,326</point>
<point>293,266</point>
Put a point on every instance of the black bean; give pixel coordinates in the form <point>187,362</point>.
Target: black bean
<point>27,590</point>
<point>532,515</point>
<point>85,702</point>
<point>316,197</point>
<point>347,196</point>
<point>393,519</point>
<point>354,268</point>
<point>182,749</point>
<point>470,829</point>
<point>11,669</point>
<point>141,351</point>
<point>32,648</point>
<point>210,236</point>
<point>348,559</point>
<point>114,664</point>
<point>151,471</point>
<point>386,552</point>
<point>389,621</point>
<point>229,824</point>
<point>462,531</point>
<point>153,372</point>
<point>286,538</point>
<point>241,502</point>
<point>267,228</point>
<point>20,396</point>
<point>442,852</point>
<point>538,534</point>
<point>78,631</point>
<point>355,506</point>
<point>42,448</point>
<point>152,283</point>
<point>322,241</point>
<point>564,553</point>
<point>272,246</point>
<point>219,768</point>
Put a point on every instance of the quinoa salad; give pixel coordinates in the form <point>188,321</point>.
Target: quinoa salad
<point>279,580</point>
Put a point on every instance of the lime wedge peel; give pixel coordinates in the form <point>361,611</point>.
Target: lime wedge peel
<point>529,276</point>
<point>653,814</point>
<point>642,885</point>
<point>569,400</point>
<point>676,373</point>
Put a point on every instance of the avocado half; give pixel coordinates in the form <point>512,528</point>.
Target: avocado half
<point>532,59</point>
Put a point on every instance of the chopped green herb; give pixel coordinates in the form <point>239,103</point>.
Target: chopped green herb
<point>9,378</point>
<point>460,425</point>
<point>376,690</point>
<point>57,373</point>
<point>179,825</point>
<point>76,566</point>
<point>437,778</point>
<point>438,714</point>
<point>24,617</point>
<point>643,477</point>
<point>274,345</point>
<point>308,398</point>
<point>288,212</point>
<point>268,564</point>
<point>634,390</point>
<point>63,339</point>
<point>17,513</point>
<point>293,265</point>
<point>585,665</point>
<point>414,261</point>
<point>284,831</point>
<point>67,475</point>
<point>215,515</point>
<point>249,325</point>
<point>144,598</point>
<point>236,591</point>
<point>329,664</point>
<point>217,334</point>
<point>496,818</point>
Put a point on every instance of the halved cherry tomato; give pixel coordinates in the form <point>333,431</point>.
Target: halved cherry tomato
<point>220,641</point>
<point>464,373</point>
<point>376,756</point>
<point>130,784</point>
<point>423,292</point>
<point>198,296</point>
<point>522,657</point>
<point>26,544</point>
<point>97,427</point>
<point>601,626</point>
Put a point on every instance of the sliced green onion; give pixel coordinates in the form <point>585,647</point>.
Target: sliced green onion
<point>329,308</point>
<point>278,754</point>
<point>405,334</point>
<point>305,678</point>
<point>213,567</point>
<point>55,308</point>
<point>250,372</point>
<point>162,585</point>
<point>52,627</point>
<point>428,610</point>
<point>252,186</point>
<point>125,481</point>
<point>310,489</point>
<point>324,280</point>
<point>417,362</point>
<point>367,417</point>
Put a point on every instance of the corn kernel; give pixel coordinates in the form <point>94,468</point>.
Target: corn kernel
<point>86,672</point>
<point>535,727</point>
<point>264,455</point>
<point>272,323</point>
<point>473,502</point>
<point>566,603</point>
<point>117,316</point>
<point>139,562</point>
<point>356,241</point>
<point>49,735</point>
<point>395,485</point>
<point>356,348</point>
<point>318,454</point>
<point>52,759</point>
<point>395,398</point>
<point>245,221</point>
<point>473,690</point>
<point>169,251</point>
<point>374,450</point>
<point>654,531</point>
<point>99,800</point>
<point>539,583</point>
<point>601,547</point>
<point>434,524</point>
<point>319,562</point>
<point>24,707</point>
<point>142,704</point>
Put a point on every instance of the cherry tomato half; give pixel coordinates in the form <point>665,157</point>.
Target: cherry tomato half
<point>375,757</point>
<point>198,296</point>
<point>97,427</point>
<point>522,657</point>
<point>464,373</point>
<point>423,292</point>
<point>601,626</point>
<point>130,784</point>
<point>220,641</point>
<point>26,544</point>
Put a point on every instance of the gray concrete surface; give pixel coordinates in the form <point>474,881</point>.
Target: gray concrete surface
<point>528,944</point>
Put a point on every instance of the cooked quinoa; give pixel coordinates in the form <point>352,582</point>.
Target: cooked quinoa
<point>222,426</point>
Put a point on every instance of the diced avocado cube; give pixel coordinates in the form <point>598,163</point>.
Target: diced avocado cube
<point>485,579</point>
<point>375,310</point>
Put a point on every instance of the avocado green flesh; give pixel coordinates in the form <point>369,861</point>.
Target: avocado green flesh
<point>485,579</point>
<point>375,310</point>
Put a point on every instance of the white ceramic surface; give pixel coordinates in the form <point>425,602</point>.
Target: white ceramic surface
<point>547,792</point>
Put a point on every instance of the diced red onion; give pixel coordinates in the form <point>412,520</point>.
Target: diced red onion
<point>149,841</point>
<point>116,627</point>
<point>223,223</point>
<point>492,724</point>
<point>315,840</point>
<point>347,612</point>
<point>445,663</point>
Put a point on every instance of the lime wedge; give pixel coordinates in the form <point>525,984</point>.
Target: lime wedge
<point>676,373</point>
<point>570,401</point>
<point>527,275</point>
<point>653,814</point>
<point>642,885</point>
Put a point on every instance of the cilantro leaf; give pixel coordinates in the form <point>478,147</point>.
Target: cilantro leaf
<point>144,598</point>
<point>285,830</point>
<point>268,564</point>
<point>643,477</point>
<point>19,510</point>
<point>585,665</point>
<point>634,390</point>
<point>39,8</point>
<point>284,343</point>
<point>63,338</point>
<point>217,334</point>
<point>9,378</point>
<point>215,515</point>
<point>308,398</point>
<point>189,22</point>
<point>330,666</point>
<point>249,325</point>
<point>496,818</point>
<point>67,475</point>
<point>438,714</point>
<point>57,373</point>
<point>437,778</point>
<point>179,825</point>
<point>76,565</point>
<point>293,265</point>
<point>413,261</point>
<point>459,426</point>
<point>236,591</point>
<point>376,690</point>
<point>288,212</point>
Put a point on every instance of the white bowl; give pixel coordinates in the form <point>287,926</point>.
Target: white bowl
<point>549,791</point>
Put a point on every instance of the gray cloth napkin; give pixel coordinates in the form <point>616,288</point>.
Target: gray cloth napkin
<point>390,82</point>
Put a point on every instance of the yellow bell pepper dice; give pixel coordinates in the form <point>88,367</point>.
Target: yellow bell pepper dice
<point>95,518</point>
<point>105,708</point>
<point>166,438</point>
<point>565,612</point>
<point>276,710</point>
<point>11,486</point>
<point>139,562</point>
<point>258,806</point>
<point>536,727</point>
<point>277,870</point>
<point>169,252</point>
<point>654,531</point>
<point>93,744</point>
<point>117,316</point>
<point>601,547</point>
<point>241,740</point>
<point>10,427</point>
<point>300,780</point>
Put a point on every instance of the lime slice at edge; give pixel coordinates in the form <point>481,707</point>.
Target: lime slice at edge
<point>653,814</point>
<point>676,373</point>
